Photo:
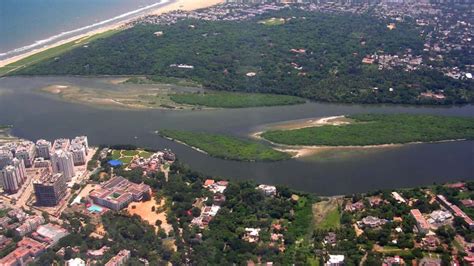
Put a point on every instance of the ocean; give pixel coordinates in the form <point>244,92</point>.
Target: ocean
<point>26,25</point>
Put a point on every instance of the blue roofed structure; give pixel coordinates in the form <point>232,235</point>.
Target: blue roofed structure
<point>115,163</point>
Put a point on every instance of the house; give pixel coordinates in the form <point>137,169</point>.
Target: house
<point>352,207</point>
<point>469,203</point>
<point>439,217</point>
<point>330,239</point>
<point>430,242</point>
<point>392,261</point>
<point>335,260</point>
<point>375,201</point>
<point>251,235</point>
<point>371,222</point>
<point>75,262</point>
<point>398,197</point>
<point>426,261</point>
<point>267,190</point>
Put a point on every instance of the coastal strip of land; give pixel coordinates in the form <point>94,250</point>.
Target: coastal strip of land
<point>48,51</point>
<point>225,147</point>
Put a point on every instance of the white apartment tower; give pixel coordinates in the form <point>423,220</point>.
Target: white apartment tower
<point>13,176</point>
<point>43,148</point>
<point>79,148</point>
<point>6,157</point>
<point>26,151</point>
<point>61,144</point>
<point>63,162</point>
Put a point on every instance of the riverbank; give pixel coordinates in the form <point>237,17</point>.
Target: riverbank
<point>166,6</point>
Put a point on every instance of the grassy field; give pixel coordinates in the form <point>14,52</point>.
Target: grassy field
<point>234,99</point>
<point>326,214</point>
<point>52,52</point>
<point>378,129</point>
<point>163,80</point>
<point>126,156</point>
<point>273,21</point>
<point>226,147</point>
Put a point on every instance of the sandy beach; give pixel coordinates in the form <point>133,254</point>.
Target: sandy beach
<point>170,6</point>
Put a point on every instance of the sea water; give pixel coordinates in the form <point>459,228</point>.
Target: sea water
<point>26,25</point>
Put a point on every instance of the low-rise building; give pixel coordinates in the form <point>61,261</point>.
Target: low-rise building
<point>371,222</point>
<point>29,225</point>
<point>27,250</point>
<point>267,190</point>
<point>75,262</point>
<point>393,261</point>
<point>120,259</point>
<point>252,235</point>
<point>421,223</point>
<point>49,233</point>
<point>335,260</point>
<point>118,192</point>
<point>398,197</point>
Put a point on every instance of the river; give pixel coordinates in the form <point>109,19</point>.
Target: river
<point>37,115</point>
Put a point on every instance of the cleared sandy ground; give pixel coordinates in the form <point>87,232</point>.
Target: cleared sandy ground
<point>143,209</point>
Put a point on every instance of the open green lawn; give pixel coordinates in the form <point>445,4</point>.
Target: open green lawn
<point>326,214</point>
<point>377,129</point>
<point>273,21</point>
<point>130,152</point>
<point>234,99</point>
<point>145,154</point>
<point>53,52</point>
<point>226,147</point>
<point>331,221</point>
<point>116,154</point>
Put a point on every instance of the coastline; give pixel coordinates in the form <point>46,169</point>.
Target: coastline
<point>300,151</point>
<point>167,6</point>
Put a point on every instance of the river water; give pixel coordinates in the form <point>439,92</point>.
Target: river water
<point>37,115</point>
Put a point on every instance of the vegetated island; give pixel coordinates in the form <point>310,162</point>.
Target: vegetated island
<point>171,94</point>
<point>234,99</point>
<point>225,147</point>
<point>378,129</point>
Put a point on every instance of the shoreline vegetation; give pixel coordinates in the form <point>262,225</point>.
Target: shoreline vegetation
<point>235,99</point>
<point>170,94</point>
<point>371,130</point>
<point>49,51</point>
<point>5,134</point>
<point>225,147</point>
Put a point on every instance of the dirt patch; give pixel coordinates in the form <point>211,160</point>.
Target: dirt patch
<point>144,210</point>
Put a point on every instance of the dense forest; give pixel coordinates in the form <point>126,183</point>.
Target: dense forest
<point>305,56</point>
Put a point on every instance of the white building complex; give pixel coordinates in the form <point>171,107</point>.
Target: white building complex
<point>43,148</point>
<point>13,176</point>
<point>62,162</point>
